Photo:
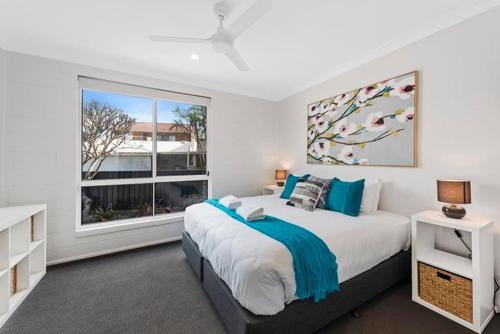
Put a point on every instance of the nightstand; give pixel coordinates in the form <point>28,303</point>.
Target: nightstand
<point>454,286</point>
<point>272,189</point>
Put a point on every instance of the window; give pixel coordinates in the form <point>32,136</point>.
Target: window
<point>116,143</point>
<point>143,152</point>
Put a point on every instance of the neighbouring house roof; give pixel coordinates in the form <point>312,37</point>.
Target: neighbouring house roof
<point>146,147</point>
<point>161,127</point>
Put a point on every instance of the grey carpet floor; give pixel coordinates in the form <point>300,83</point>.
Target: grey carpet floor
<point>153,290</point>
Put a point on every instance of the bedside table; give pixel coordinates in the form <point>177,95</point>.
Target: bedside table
<point>454,286</point>
<point>272,189</point>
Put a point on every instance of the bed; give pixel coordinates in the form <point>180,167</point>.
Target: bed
<point>250,277</point>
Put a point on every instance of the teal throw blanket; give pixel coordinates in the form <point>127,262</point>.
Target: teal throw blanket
<point>314,265</point>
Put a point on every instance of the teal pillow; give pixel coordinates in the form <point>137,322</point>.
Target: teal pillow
<point>291,181</point>
<point>345,197</point>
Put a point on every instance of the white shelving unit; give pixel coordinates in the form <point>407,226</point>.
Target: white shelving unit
<point>479,269</point>
<point>22,254</point>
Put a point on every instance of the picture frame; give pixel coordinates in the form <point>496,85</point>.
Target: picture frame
<point>376,125</point>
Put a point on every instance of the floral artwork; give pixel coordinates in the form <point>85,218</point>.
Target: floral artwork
<point>374,125</point>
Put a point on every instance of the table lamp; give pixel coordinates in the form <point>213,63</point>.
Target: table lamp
<point>280,177</point>
<point>454,192</point>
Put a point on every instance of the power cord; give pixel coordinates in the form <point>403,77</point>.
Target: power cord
<point>459,236</point>
<point>497,287</point>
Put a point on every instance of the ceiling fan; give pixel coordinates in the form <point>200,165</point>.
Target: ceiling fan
<point>223,39</point>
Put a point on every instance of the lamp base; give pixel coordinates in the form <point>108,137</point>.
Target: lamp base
<point>454,211</point>
<point>280,183</point>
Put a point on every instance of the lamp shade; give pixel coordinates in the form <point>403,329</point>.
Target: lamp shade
<point>280,174</point>
<point>454,191</point>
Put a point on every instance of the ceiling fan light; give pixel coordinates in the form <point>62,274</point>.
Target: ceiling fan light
<point>223,39</point>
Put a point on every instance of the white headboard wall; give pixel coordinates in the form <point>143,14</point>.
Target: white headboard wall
<point>459,122</point>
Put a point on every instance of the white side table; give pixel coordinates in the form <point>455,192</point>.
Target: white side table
<point>457,287</point>
<point>272,189</point>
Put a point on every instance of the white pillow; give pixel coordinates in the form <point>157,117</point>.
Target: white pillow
<point>371,196</point>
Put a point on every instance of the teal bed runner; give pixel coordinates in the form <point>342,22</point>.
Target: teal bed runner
<point>314,265</point>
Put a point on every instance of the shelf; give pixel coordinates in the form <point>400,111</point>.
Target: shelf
<point>4,293</point>
<point>35,244</point>
<point>3,272</point>
<point>16,259</point>
<point>13,215</point>
<point>4,249</point>
<point>468,223</point>
<point>22,245</point>
<point>19,238</point>
<point>34,278</point>
<point>17,297</point>
<point>446,261</point>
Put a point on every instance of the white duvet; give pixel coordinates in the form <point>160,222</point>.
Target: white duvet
<point>258,269</point>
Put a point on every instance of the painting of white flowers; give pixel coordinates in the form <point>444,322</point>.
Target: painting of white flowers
<point>374,125</point>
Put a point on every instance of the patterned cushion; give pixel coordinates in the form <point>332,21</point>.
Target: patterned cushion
<point>306,194</point>
<point>324,193</point>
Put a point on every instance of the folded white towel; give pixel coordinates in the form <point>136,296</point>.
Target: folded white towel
<point>230,202</point>
<point>250,213</point>
<point>256,218</point>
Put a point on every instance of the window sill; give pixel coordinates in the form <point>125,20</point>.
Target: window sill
<point>124,225</point>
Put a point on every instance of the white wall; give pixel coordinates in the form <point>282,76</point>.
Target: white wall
<point>459,117</point>
<point>41,148</point>
<point>3,87</point>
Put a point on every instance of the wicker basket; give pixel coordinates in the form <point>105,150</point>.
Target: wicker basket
<point>445,290</point>
<point>13,280</point>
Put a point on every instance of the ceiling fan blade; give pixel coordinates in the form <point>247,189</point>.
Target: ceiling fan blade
<point>235,57</point>
<point>160,38</point>
<point>249,17</point>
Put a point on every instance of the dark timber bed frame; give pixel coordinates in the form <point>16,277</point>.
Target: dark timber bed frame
<point>298,316</point>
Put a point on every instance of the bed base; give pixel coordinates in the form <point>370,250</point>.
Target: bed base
<point>299,316</point>
<point>193,255</point>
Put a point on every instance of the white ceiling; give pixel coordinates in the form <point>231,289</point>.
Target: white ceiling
<point>296,45</point>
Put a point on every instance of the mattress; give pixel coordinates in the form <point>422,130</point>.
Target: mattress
<point>258,269</point>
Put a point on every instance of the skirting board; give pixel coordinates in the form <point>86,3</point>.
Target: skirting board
<point>113,250</point>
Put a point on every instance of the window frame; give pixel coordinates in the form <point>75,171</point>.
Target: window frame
<point>103,85</point>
